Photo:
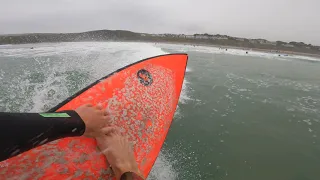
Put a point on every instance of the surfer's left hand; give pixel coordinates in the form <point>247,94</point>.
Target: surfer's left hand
<point>95,118</point>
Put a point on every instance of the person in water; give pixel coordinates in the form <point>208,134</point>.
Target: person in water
<point>21,132</point>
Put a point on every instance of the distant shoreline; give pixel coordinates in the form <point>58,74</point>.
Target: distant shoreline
<point>248,49</point>
<point>262,45</point>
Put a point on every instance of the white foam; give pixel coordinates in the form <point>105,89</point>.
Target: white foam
<point>184,96</point>
<point>162,169</point>
<point>238,52</point>
<point>112,56</point>
<point>304,58</point>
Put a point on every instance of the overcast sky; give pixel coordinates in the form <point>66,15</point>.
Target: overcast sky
<point>288,20</point>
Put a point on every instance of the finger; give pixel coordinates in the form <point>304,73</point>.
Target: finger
<point>99,106</point>
<point>105,113</point>
<point>117,131</point>
<point>108,110</point>
<point>99,112</point>
<point>127,137</point>
<point>108,130</point>
<point>106,120</point>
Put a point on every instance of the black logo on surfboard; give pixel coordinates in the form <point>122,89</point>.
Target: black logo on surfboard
<point>144,77</point>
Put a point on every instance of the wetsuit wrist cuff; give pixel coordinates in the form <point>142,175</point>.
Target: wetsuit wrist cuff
<point>76,124</point>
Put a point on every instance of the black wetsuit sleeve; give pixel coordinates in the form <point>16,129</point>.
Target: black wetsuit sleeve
<point>20,132</point>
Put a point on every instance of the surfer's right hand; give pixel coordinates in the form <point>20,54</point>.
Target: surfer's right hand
<point>118,152</point>
<point>95,118</point>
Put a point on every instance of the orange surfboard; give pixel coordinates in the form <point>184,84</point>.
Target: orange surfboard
<point>141,98</point>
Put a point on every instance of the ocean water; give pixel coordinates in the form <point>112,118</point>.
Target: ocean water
<point>240,116</point>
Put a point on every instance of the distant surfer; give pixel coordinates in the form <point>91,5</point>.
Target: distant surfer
<point>21,132</point>
<point>226,49</point>
<point>246,52</point>
<point>31,48</point>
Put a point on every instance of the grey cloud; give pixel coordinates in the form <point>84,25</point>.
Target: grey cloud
<point>272,19</point>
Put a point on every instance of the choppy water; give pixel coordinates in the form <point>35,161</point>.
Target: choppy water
<point>240,116</point>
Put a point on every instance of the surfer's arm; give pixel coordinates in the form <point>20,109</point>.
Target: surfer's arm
<point>130,176</point>
<point>20,132</point>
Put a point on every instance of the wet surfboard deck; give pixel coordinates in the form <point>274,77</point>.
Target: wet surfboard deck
<point>141,99</point>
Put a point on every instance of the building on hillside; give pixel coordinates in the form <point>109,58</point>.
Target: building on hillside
<point>262,41</point>
<point>220,38</point>
<point>268,43</point>
<point>253,41</point>
<point>240,39</point>
<point>190,36</point>
<point>288,45</point>
<point>158,35</point>
<point>201,36</point>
